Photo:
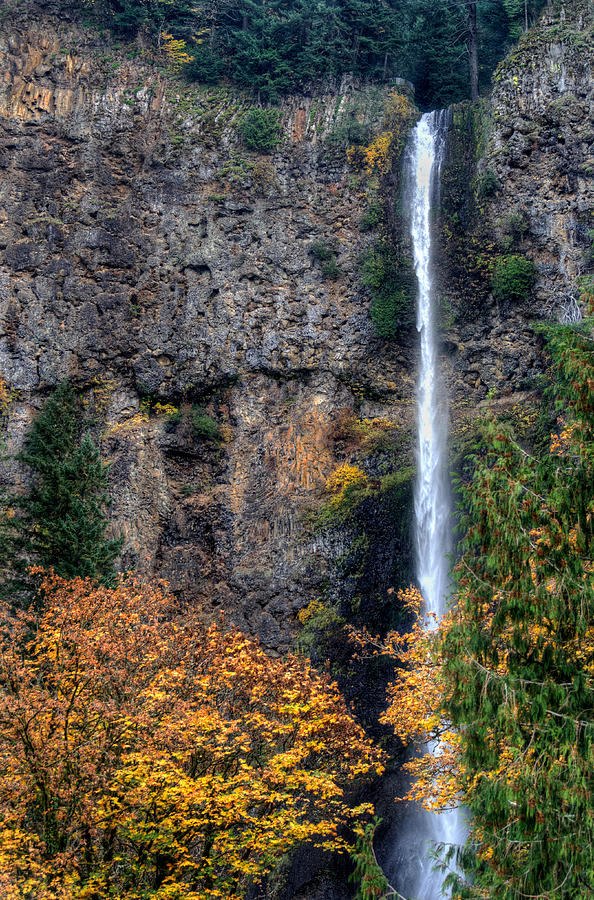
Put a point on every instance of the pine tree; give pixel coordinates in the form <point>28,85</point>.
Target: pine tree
<point>63,519</point>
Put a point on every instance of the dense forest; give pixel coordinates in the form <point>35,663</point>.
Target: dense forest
<point>270,47</point>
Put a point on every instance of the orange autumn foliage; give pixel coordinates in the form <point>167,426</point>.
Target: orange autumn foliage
<point>343,478</point>
<point>379,156</point>
<point>175,51</point>
<point>143,755</point>
<point>512,665</point>
<point>415,701</point>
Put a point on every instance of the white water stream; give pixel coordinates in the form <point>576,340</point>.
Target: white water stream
<point>432,496</point>
<point>422,830</point>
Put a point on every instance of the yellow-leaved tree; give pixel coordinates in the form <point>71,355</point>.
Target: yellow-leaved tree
<point>143,755</point>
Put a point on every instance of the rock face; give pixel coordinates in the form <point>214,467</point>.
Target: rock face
<point>169,273</point>
<point>150,259</point>
<point>173,277</point>
<point>542,152</point>
<point>519,181</point>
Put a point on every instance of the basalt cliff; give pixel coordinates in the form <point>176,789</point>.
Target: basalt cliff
<point>210,303</point>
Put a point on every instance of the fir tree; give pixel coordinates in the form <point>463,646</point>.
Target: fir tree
<point>12,566</point>
<point>519,652</point>
<point>63,519</point>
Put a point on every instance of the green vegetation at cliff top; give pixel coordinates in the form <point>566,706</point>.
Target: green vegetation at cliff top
<point>270,47</point>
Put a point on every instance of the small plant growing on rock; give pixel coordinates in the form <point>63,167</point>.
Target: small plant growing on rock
<point>372,217</point>
<point>368,435</point>
<point>260,130</point>
<point>320,250</point>
<point>326,256</point>
<point>203,426</point>
<point>487,183</point>
<point>343,478</point>
<point>513,227</point>
<point>350,131</point>
<point>513,278</point>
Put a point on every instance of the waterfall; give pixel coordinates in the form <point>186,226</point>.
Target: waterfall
<point>420,829</point>
<point>432,502</point>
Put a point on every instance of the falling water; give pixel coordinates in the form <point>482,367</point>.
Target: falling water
<point>432,504</point>
<point>421,830</point>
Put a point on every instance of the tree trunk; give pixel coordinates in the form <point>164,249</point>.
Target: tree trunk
<point>473,50</point>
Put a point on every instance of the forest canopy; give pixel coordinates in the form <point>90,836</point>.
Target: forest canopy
<point>270,47</point>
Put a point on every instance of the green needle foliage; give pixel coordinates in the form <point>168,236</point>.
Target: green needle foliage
<point>513,278</point>
<point>260,130</point>
<point>63,520</point>
<point>12,568</point>
<point>519,654</point>
<point>371,882</point>
<point>271,47</point>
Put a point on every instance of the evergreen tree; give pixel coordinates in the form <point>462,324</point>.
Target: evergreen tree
<point>448,48</point>
<point>519,651</point>
<point>63,519</point>
<point>12,567</point>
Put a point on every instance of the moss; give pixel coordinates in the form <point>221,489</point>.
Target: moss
<point>372,521</point>
<point>513,227</point>
<point>487,184</point>
<point>236,169</point>
<point>372,217</point>
<point>322,624</point>
<point>355,120</point>
<point>339,510</point>
<point>391,283</point>
<point>367,435</point>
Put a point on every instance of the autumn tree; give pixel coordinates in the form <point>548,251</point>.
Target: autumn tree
<point>144,755</point>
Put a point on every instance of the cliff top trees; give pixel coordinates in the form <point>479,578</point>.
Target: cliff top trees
<point>142,755</point>
<point>446,47</point>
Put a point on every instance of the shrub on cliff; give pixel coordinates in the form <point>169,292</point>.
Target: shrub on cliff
<point>260,130</point>
<point>326,256</point>
<point>204,426</point>
<point>513,278</point>
<point>390,282</point>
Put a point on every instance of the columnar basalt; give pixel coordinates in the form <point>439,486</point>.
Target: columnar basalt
<point>158,265</point>
<point>152,260</point>
<point>518,182</point>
